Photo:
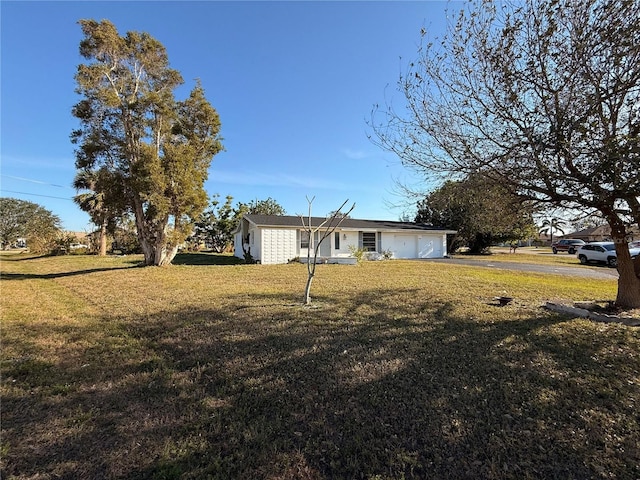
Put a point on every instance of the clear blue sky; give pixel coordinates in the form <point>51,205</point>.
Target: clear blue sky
<point>293,82</point>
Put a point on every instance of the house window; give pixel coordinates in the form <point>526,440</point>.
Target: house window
<point>337,237</point>
<point>369,241</point>
<point>304,239</point>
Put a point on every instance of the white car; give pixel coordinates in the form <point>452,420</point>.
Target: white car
<point>602,252</point>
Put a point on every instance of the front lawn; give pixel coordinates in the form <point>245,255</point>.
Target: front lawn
<point>399,369</point>
<point>540,256</point>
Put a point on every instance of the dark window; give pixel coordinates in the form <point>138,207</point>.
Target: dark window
<point>369,241</point>
<point>304,239</point>
<point>337,237</point>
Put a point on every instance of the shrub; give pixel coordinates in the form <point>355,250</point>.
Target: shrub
<point>358,253</point>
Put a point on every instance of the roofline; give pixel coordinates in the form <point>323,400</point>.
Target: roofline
<point>318,221</point>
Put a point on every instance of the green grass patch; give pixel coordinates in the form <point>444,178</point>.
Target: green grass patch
<point>399,369</point>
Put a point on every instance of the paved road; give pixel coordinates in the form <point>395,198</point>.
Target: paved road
<point>578,271</point>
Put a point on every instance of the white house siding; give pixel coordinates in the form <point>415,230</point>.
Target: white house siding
<point>239,240</point>
<point>278,245</point>
<point>325,247</point>
<point>347,240</point>
<point>237,245</point>
<point>255,243</point>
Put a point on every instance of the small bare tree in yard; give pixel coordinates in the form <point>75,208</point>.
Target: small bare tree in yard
<point>328,226</point>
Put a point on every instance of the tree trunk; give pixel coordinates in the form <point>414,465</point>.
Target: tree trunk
<point>165,256</point>
<point>307,290</point>
<point>152,239</point>
<point>143,236</point>
<point>628,282</point>
<point>103,239</point>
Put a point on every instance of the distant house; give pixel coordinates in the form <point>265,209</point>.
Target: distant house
<point>273,239</point>
<point>601,233</point>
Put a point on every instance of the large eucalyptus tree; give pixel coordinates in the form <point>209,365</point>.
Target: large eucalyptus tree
<point>540,95</point>
<point>157,149</point>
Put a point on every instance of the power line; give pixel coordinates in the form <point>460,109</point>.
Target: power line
<point>38,195</point>
<point>34,181</point>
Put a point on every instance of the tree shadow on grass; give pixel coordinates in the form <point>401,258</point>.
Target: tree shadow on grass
<point>202,258</point>
<point>373,386</point>
<point>48,276</point>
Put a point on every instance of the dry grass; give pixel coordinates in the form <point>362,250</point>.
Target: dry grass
<point>399,370</point>
<point>540,256</point>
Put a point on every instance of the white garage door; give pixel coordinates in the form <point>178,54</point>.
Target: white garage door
<point>404,246</point>
<point>430,247</point>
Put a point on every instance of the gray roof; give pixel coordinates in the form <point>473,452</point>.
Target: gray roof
<point>347,223</point>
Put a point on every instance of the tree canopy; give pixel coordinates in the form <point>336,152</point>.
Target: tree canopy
<point>483,213</point>
<point>552,225</point>
<point>22,219</point>
<point>541,95</point>
<point>156,149</point>
<point>264,207</point>
<point>216,225</point>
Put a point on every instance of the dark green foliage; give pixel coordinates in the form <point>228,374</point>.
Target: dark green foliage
<point>484,213</point>
<point>216,225</point>
<point>264,207</point>
<point>22,219</point>
<point>154,148</point>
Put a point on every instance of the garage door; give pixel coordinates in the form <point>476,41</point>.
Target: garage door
<point>404,246</point>
<point>430,247</point>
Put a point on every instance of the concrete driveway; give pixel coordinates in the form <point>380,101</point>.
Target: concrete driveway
<point>605,273</point>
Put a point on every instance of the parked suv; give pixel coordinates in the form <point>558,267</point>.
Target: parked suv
<point>602,252</point>
<point>569,245</point>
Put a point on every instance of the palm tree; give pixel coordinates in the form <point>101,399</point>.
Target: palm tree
<point>97,203</point>
<point>552,225</point>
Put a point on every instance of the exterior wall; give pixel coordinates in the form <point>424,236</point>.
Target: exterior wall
<point>254,243</point>
<point>237,245</point>
<point>325,247</point>
<point>347,239</point>
<point>278,245</point>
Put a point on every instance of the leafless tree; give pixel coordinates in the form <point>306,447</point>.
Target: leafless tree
<point>542,96</point>
<point>327,227</point>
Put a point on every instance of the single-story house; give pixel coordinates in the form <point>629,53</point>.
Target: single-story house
<point>601,233</point>
<point>275,239</point>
